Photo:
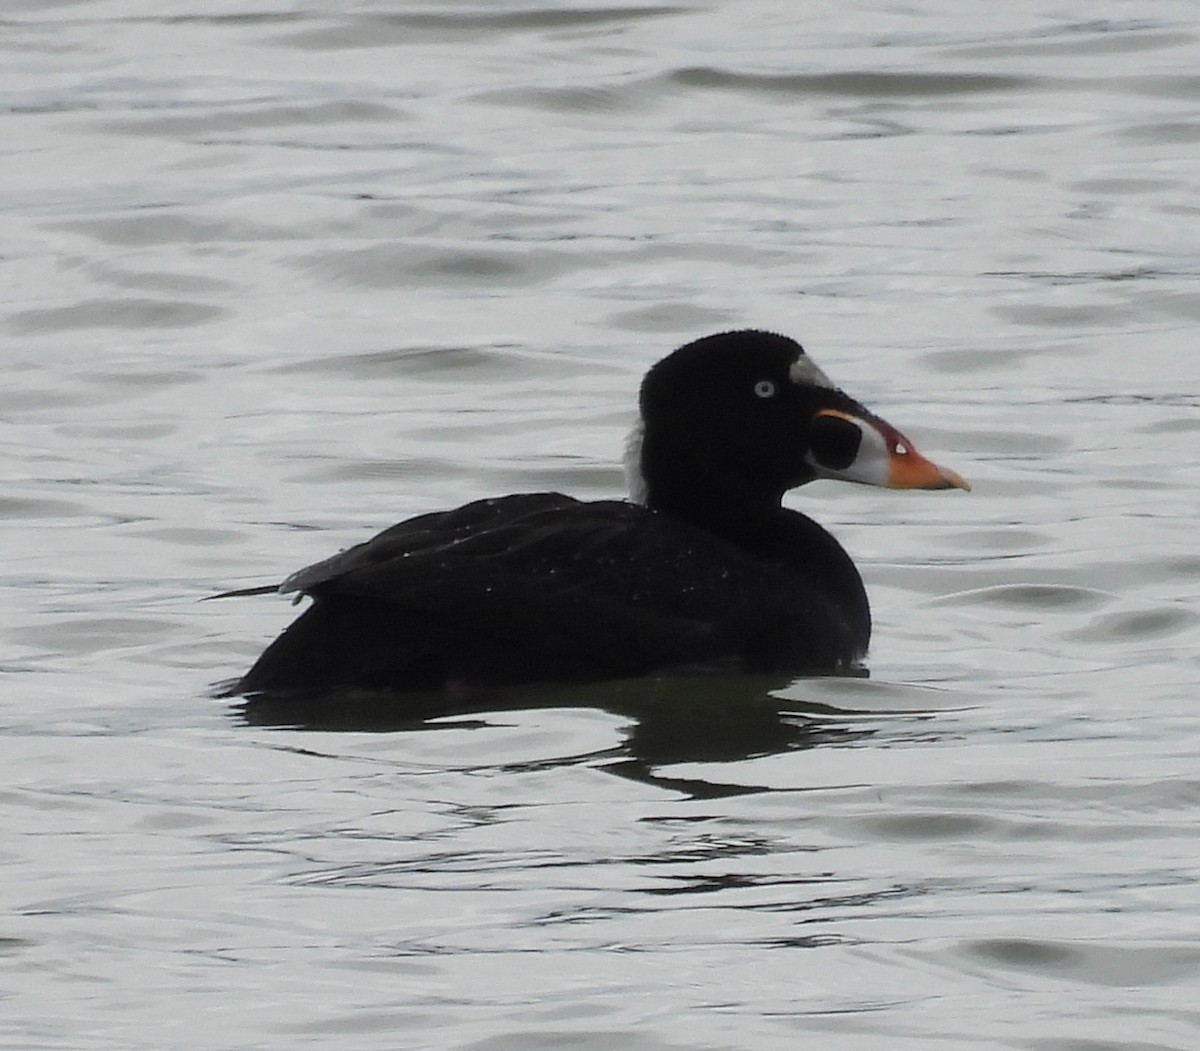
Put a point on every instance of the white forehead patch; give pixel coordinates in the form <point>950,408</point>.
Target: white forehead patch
<point>804,373</point>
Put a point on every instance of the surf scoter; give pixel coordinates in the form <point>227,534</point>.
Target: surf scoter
<point>703,568</point>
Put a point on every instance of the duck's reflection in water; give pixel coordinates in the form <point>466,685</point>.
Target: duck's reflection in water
<point>671,721</point>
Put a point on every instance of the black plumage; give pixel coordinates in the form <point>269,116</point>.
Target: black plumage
<point>709,571</point>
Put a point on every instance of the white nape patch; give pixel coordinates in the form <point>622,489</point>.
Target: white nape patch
<point>804,373</point>
<point>635,481</point>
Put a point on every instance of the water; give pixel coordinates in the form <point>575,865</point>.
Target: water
<point>277,277</point>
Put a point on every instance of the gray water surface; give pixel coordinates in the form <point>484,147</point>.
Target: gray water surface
<point>276,277</point>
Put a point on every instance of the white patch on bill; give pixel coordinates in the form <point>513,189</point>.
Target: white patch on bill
<point>804,373</point>
<point>871,464</point>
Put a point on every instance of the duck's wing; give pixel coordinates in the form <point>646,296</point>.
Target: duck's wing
<point>600,584</point>
<point>423,533</point>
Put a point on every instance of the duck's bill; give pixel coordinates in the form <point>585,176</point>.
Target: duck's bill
<point>869,450</point>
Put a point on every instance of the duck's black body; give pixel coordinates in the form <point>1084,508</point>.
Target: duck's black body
<point>709,571</point>
<point>542,586</point>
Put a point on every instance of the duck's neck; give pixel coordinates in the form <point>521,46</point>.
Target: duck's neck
<point>717,501</point>
<point>764,528</point>
<point>769,531</point>
<point>746,519</point>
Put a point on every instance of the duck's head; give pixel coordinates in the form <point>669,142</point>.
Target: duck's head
<point>741,417</point>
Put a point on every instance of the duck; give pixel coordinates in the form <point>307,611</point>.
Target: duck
<point>701,569</point>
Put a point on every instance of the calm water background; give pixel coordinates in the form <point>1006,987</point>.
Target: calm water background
<point>275,277</point>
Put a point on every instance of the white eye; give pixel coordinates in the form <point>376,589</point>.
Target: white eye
<point>765,388</point>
